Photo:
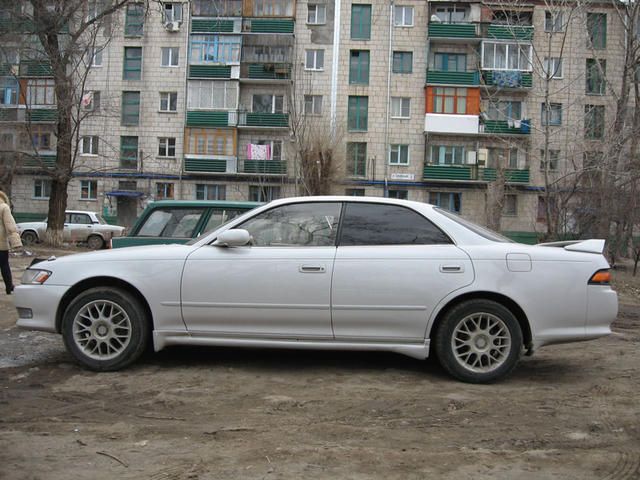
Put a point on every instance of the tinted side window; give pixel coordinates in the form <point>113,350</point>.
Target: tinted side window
<point>374,224</point>
<point>171,222</point>
<point>303,224</point>
<point>220,216</point>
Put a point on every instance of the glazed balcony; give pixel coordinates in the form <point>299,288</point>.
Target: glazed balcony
<point>438,77</point>
<point>451,124</point>
<point>504,127</point>
<point>212,118</point>
<point>470,173</point>
<point>507,79</point>
<point>263,120</point>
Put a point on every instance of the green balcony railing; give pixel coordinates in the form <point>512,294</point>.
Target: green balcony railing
<point>275,120</point>
<point>34,68</point>
<point>266,71</point>
<point>521,80</point>
<point>503,127</point>
<point>453,78</point>
<point>47,161</point>
<point>447,172</point>
<point>42,115</point>
<point>205,165</point>
<point>211,25</point>
<point>511,175</point>
<point>271,167</point>
<point>204,118</point>
<point>209,71</point>
<point>509,32</point>
<point>452,30</point>
<point>268,25</point>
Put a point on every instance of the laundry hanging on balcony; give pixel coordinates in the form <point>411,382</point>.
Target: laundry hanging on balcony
<point>507,78</point>
<point>258,152</point>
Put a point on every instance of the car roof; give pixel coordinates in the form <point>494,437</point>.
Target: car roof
<point>88,212</point>
<point>203,203</point>
<point>348,198</point>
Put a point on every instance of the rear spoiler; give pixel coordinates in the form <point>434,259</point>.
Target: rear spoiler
<point>588,246</point>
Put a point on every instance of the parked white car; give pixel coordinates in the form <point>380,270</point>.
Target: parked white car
<point>341,273</point>
<point>79,226</point>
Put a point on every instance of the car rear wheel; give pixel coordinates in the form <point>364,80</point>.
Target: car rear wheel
<point>105,329</point>
<point>29,238</point>
<point>479,341</point>
<point>95,242</point>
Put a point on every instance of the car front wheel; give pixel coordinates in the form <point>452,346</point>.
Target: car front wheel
<point>105,328</point>
<point>479,341</point>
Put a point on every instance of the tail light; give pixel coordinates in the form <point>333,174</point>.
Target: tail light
<point>601,277</point>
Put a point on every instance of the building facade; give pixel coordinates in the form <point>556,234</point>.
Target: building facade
<point>472,106</point>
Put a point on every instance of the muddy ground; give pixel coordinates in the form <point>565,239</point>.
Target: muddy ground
<point>569,412</point>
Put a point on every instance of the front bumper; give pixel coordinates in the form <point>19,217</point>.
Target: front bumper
<point>42,302</point>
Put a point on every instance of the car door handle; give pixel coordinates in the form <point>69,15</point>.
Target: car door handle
<point>312,268</point>
<point>451,268</point>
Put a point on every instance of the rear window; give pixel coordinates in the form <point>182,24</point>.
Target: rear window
<point>482,231</point>
<point>171,222</point>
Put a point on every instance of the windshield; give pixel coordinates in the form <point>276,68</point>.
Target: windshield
<point>482,231</point>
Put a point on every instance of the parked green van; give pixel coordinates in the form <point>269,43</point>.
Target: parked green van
<point>178,221</point>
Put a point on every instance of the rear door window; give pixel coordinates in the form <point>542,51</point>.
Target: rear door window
<point>171,222</point>
<point>377,224</point>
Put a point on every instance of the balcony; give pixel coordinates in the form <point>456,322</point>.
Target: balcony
<point>11,113</point>
<point>511,175</point>
<point>210,71</point>
<point>209,118</point>
<point>267,25</point>
<point>215,25</point>
<point>205,164</point>
<point>264,167</point>
<point>453,30</point>
<point>507,79</point>
<point>43,160</point>
<point>42,115</point>
<point>437,77</point>
<point>451,124</point>
<point>468,173</point>
<point>263,120</point>
<point>265,71</point>
<point>34,68</point>
<point>504,127</point>
<point>507,32</point>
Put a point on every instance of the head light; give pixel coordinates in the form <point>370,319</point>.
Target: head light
<point>33,276</point>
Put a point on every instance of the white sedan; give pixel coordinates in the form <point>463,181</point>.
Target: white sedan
<point>335,273</point>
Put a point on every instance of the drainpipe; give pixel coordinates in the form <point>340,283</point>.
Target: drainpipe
<point>386,121</point>
<point>187,24</point>
<point>334,65</point>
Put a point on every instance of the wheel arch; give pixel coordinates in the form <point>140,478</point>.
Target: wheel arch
<point>503,300</point>
<point>30,230</point>
<point>88,283</point>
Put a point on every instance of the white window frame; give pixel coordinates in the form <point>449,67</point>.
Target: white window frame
<point>229,93</point>
<point>171,8</point>
<point>272,144</point>
<point>96,56</point>
<point>274,102</point>
<point>316,14</point>
<point>315,101</point>
<point>173,57</point>
<point>397,107</point>
<point>314,60</point>
<point>509,45</point>
<point>219,189</point>
<point>93,144</point>
<point>166,97</point>
<point>91,187</point>
<point>550,65</point>
<point>400,16</point>
<point>165,145</point>
<point>44,184</point>
<point>395,154</point>
<point>41,89</point>
<point>556,21</point>
<point>166,187</point>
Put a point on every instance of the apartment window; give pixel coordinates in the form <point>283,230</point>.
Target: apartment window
<point>129,153</point>
<point>130,108</point>
<point>354,192</point>
<point>132,67</point>
<point>551,114</point>
<point>356,159</point>
<point>168,101</point>
<point>450,62</point>
<point>170,56</point>
<point>8,91</point>
<point>400,107</point>
<point>552,67</point>
<point>263,194</point>
<point>553,159</point>
<point>95,56</point>
<point>91,101</point>
<point>267,104</point>
<point>451,14</point>
<point>88,189</point>
<point>40,140</point>
<point>398,154</point>
<point>447,154</point>
<point>450,100</point>
<point>41,188</point>
<point>89,145</point>
<point>210,192</point>
<point>506,56</point>
<point>597,31</point>
<point>360,22</point>
<point>275,149</point>
<point>210,141</point>
<point>206,94</point>
<point>358,113</point>
<point>314,60</point>
<point>510,207</point>
<point>403,16</point>
<point>402,62</point>
<point>40,92</point>
<point>594,121</point>
<point>359,67</point>
<point>167,147</point>
<point>596,71</point>
<point>553,22</point>
<point>451,201</point>
<point>215,49</point>
<point>399,194</point>
<point>273,8</point>
<point>316,14</point>
<point>313,104</point>
<point>7,141</point>
<point>164,191</point>
<point>172,12</point>
<point>505,110</point>
<point>134,22</point>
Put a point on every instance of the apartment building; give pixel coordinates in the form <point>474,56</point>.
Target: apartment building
<point>460,104</point>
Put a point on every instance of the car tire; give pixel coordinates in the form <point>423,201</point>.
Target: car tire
<point>29,237</point>
<point>95,242</point>
<point>105,328</point>
<point>478,341</point>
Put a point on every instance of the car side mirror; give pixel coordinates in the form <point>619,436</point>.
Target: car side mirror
<point>236,237</point>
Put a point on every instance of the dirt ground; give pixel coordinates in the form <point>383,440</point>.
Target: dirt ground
<point>569,412</point>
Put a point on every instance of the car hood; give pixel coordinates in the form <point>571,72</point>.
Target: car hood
<point>144,253</point>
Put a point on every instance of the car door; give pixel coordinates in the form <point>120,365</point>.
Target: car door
<point>79,226</point>
<point>279,286</point>
<point>392,267</point>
